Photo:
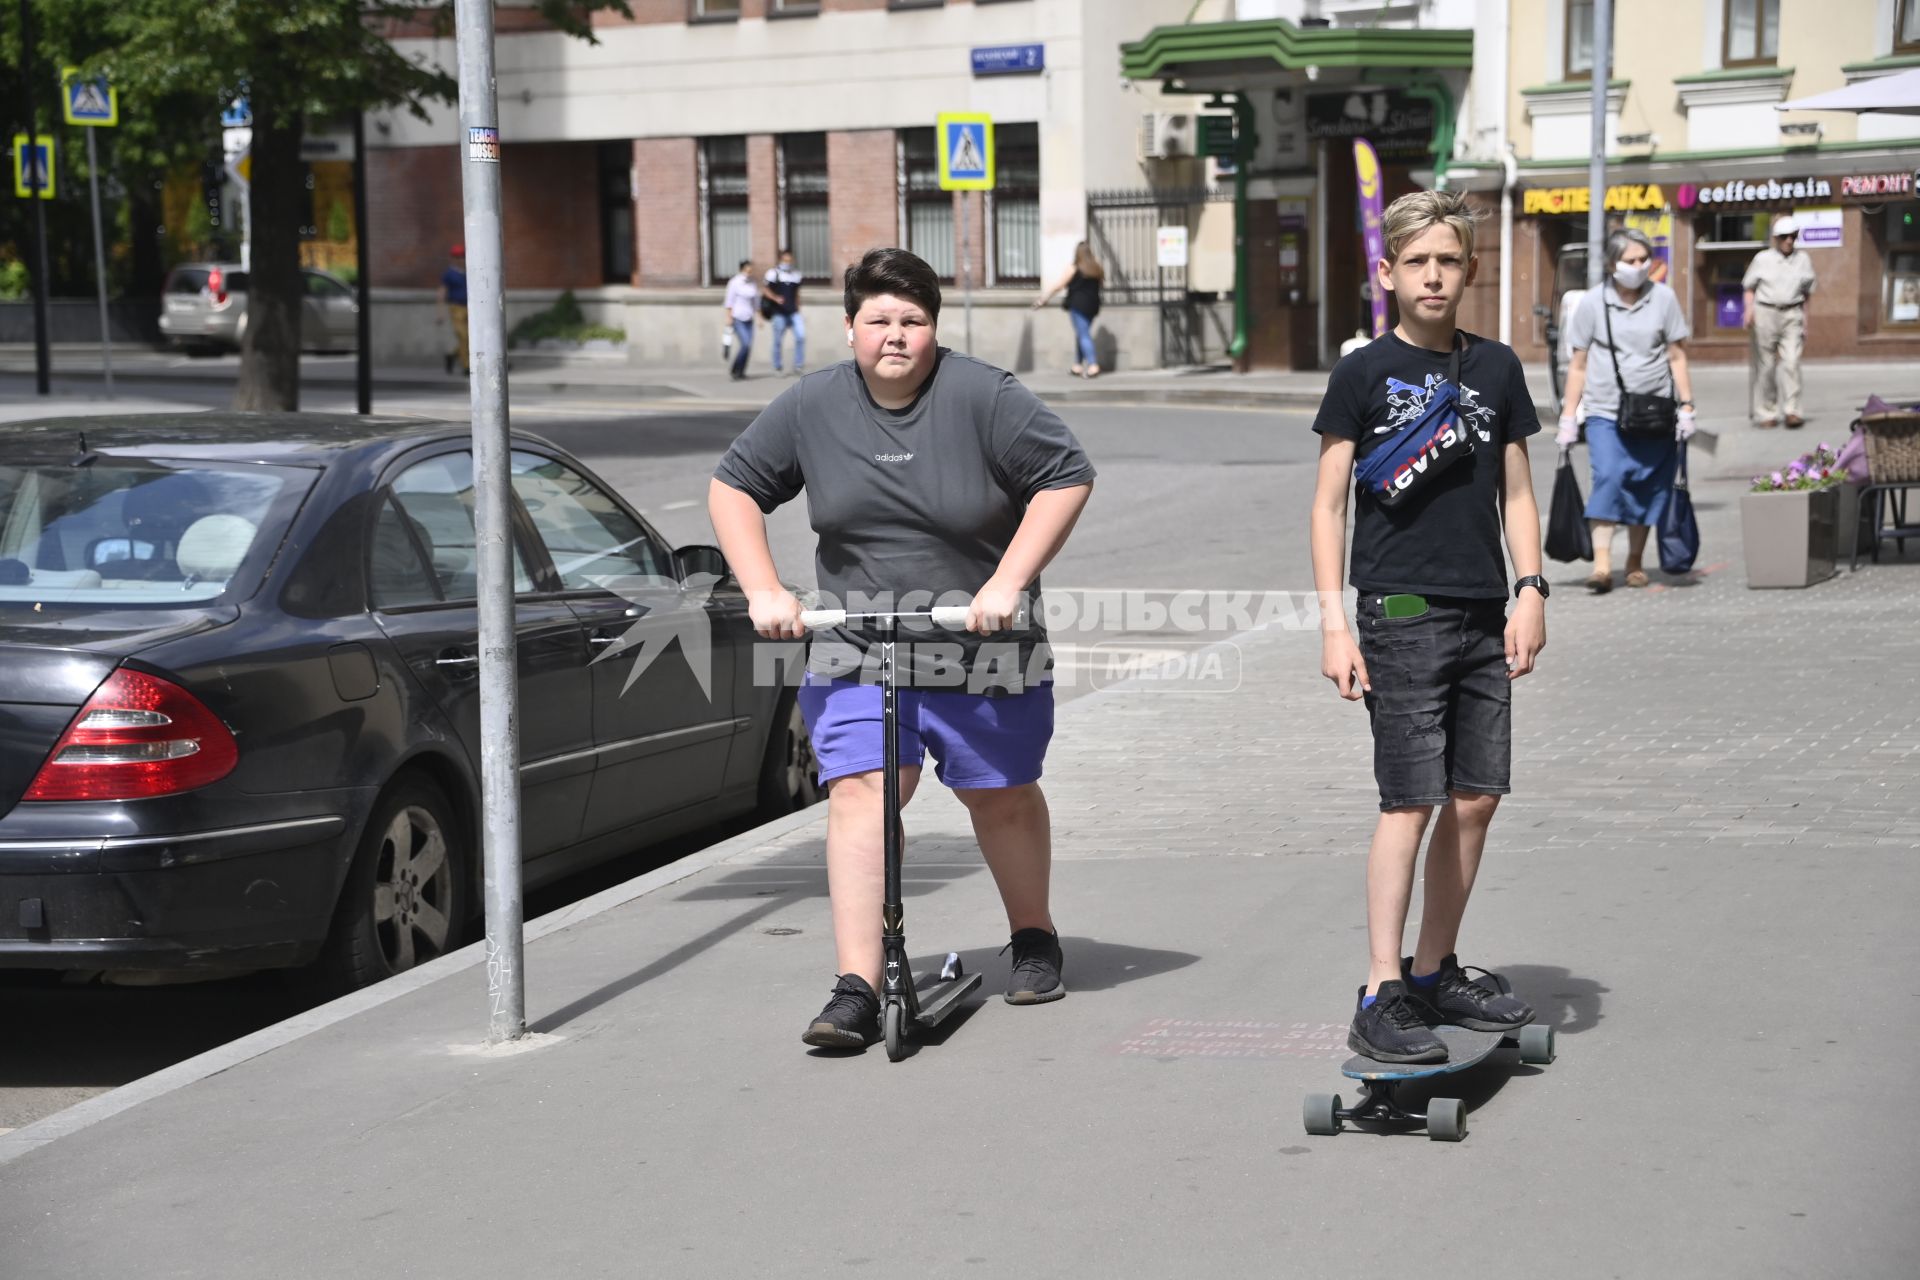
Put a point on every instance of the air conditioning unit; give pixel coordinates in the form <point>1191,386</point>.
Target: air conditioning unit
<point>1167,135</point>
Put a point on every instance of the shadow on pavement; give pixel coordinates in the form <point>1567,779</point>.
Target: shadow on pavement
<point>1568,1004</point>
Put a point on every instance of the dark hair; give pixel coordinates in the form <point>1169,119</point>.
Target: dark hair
<point>745,263</point>
<point>896,272</point>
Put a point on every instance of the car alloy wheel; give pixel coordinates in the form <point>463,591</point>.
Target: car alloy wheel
<point>413,886</point>
<point>790,777</point>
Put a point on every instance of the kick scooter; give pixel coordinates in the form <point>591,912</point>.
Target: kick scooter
<point>901,1009</point>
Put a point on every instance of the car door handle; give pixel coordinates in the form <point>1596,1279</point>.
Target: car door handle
<point>456,658</point>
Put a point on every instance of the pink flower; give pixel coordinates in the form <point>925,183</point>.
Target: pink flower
<point>1779,480</point>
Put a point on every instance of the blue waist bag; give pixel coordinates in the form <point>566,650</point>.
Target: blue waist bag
<point>1405,464</point>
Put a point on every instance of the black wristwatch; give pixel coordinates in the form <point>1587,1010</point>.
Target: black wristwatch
<point>1533,580</point>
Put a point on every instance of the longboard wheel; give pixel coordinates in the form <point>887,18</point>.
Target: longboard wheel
<point>1446,1120</point>
<point>1536,1044</point>
<point>1320,1113</point>
<point>893,1023</point>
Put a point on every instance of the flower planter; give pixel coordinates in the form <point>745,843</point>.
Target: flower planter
<point>1790,539</point>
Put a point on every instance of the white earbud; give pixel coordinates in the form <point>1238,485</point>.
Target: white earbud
<point>849,337</point>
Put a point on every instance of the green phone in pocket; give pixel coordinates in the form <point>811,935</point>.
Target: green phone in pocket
<point>1403,606</point>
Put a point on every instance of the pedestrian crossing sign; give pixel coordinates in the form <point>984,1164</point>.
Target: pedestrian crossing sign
<point>33,165</point>
<point>966,151</point>
<point>88,102</point>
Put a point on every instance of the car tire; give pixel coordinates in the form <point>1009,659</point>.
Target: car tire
<point>789,772</point>
<point>405,898</point>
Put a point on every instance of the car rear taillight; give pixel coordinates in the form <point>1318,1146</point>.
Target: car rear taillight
<point>138,736</point>
<point>217,287</point>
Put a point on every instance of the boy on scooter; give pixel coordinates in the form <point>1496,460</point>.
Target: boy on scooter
<point>935,478</point>
<point>1433,651</point>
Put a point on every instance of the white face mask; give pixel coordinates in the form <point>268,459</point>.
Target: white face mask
<point>1630,277</point>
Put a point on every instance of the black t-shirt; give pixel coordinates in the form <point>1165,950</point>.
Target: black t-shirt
<point>1445,541</point>
<point>914,507</point>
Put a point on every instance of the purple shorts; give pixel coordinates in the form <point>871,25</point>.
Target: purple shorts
<point>977,741</point>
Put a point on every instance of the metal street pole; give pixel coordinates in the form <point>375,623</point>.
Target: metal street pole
<point>499,683</point>
<point>100,261</point>
<point>1597,163</point>
<point>362,288</point>
<point>966,260</point>
<point>42,276</point>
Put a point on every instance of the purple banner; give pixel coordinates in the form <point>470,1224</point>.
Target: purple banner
<point>1366,168</point>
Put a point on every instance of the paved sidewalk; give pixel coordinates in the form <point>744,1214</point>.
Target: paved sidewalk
<point>1705,880</point>
<point>1729,444</point>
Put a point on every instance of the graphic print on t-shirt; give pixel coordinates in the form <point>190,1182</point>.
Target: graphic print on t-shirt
<point>1406,402</point>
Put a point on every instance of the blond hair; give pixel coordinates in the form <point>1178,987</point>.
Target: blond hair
<point>1413,213</point>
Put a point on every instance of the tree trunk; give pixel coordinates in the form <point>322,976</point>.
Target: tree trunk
<point>270,352</point>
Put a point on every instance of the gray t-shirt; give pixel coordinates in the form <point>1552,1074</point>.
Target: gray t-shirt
<point>914,507</point>
<point>1643,330</point>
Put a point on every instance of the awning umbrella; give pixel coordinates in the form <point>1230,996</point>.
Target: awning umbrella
<point>1897,94</point>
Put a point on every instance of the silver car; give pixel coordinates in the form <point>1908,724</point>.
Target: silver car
<point>204,305</point>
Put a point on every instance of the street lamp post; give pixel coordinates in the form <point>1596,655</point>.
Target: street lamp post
<point>1597,162</point>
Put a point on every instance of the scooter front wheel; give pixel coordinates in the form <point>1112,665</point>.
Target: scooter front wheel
<point>893,1024</point>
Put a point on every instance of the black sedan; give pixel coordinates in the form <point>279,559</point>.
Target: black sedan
<point>239,695</point>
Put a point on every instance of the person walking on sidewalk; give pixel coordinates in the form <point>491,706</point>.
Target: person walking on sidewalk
<point>453,304</point>
<point>1082,281</point>
<point>782,292</point>
<point>1436,653</point>
<point>1774,307</point>
<point>930,477</point>
<point>1627,335</point>
<point>743,300</point>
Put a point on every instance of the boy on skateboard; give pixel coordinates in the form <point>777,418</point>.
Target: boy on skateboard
<point>1433,651</point>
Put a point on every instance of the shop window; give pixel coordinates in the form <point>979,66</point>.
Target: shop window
<point>714,8</point>
<point>1750,33</point>
<point>723,196</point>
<point>1901,305</point>
<point>928,209</point>
<point>1906,30</point>
<point>803,204</point>
<point>1016,204</point>
<point>1727,243</point>
<point>1578,54</point>
<point>616,212</point>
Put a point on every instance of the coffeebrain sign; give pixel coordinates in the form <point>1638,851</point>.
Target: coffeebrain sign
<point>1761,191</point>
<point>1632,198</point>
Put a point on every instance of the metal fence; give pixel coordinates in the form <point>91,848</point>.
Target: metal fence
<point>1123,230</point>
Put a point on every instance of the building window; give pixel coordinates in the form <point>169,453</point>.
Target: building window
<point>1015,202</point>
<point>1750,33</point>
<point>1579,49</point>
<point>1906,29</point>
<point>714,8</point>
<point>1902,283</point>
<point>804,225</point>
<point>723,199</point>
<point>616,212</point>
<point>928,209</point>
<point>792,8</point>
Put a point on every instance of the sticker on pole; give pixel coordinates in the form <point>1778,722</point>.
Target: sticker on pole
<point>483,146</point>
<point>966,151</point>
<point>88,102</point>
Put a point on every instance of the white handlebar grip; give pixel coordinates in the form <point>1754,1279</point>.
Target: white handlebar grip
<point>814,619</point>
<point>949,616</point>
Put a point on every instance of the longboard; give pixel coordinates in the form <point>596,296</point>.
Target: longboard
<point>1445,1118</point>
<point>1465,1048</point>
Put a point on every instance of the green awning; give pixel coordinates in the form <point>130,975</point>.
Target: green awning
<point>1274,44</point>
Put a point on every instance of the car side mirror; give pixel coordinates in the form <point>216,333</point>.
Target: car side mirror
<point>700,559</point>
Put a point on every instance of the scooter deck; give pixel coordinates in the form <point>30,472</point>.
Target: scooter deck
<point>1465,1048</point>
<point>945,999</point>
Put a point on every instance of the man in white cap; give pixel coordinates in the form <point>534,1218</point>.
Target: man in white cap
<point>1777,285</point>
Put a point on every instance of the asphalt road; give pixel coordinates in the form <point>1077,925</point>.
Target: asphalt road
<point>1184,503</point>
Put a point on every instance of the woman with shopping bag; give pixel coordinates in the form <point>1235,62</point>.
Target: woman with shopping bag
<point>1628,339</point>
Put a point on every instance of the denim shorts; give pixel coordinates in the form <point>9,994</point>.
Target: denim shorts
<point>977,741</point>
<point>1441,703</point>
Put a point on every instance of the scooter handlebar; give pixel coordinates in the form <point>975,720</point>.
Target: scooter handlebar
<point>815,619</point>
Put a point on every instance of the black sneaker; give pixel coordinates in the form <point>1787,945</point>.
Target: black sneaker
<point>1460,1001</point>
<point>1036,968</point>
<point>851,1019</point>
<point>1391,1029</point>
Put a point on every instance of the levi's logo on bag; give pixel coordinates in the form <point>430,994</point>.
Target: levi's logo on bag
<point>1424,443</point>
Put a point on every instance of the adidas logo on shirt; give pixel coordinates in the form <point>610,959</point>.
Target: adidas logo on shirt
<point>893,457</point>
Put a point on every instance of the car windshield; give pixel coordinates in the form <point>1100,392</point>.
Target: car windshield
<point>130,533</point>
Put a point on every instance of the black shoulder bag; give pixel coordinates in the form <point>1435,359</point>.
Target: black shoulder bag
<point>1640,414</point>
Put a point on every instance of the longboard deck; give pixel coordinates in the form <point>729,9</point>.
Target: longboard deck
<point>1465,1047</point>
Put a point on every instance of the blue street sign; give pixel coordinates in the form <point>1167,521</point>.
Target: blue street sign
<point>33,166</point>
<point>237,116</point>
<point>966,151</point>
<point>88,102</point>
<point>1010,60</point>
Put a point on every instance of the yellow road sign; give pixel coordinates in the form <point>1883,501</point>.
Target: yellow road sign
<point>40,155</point>
<point>965,140</point>
<point>90,102</point>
